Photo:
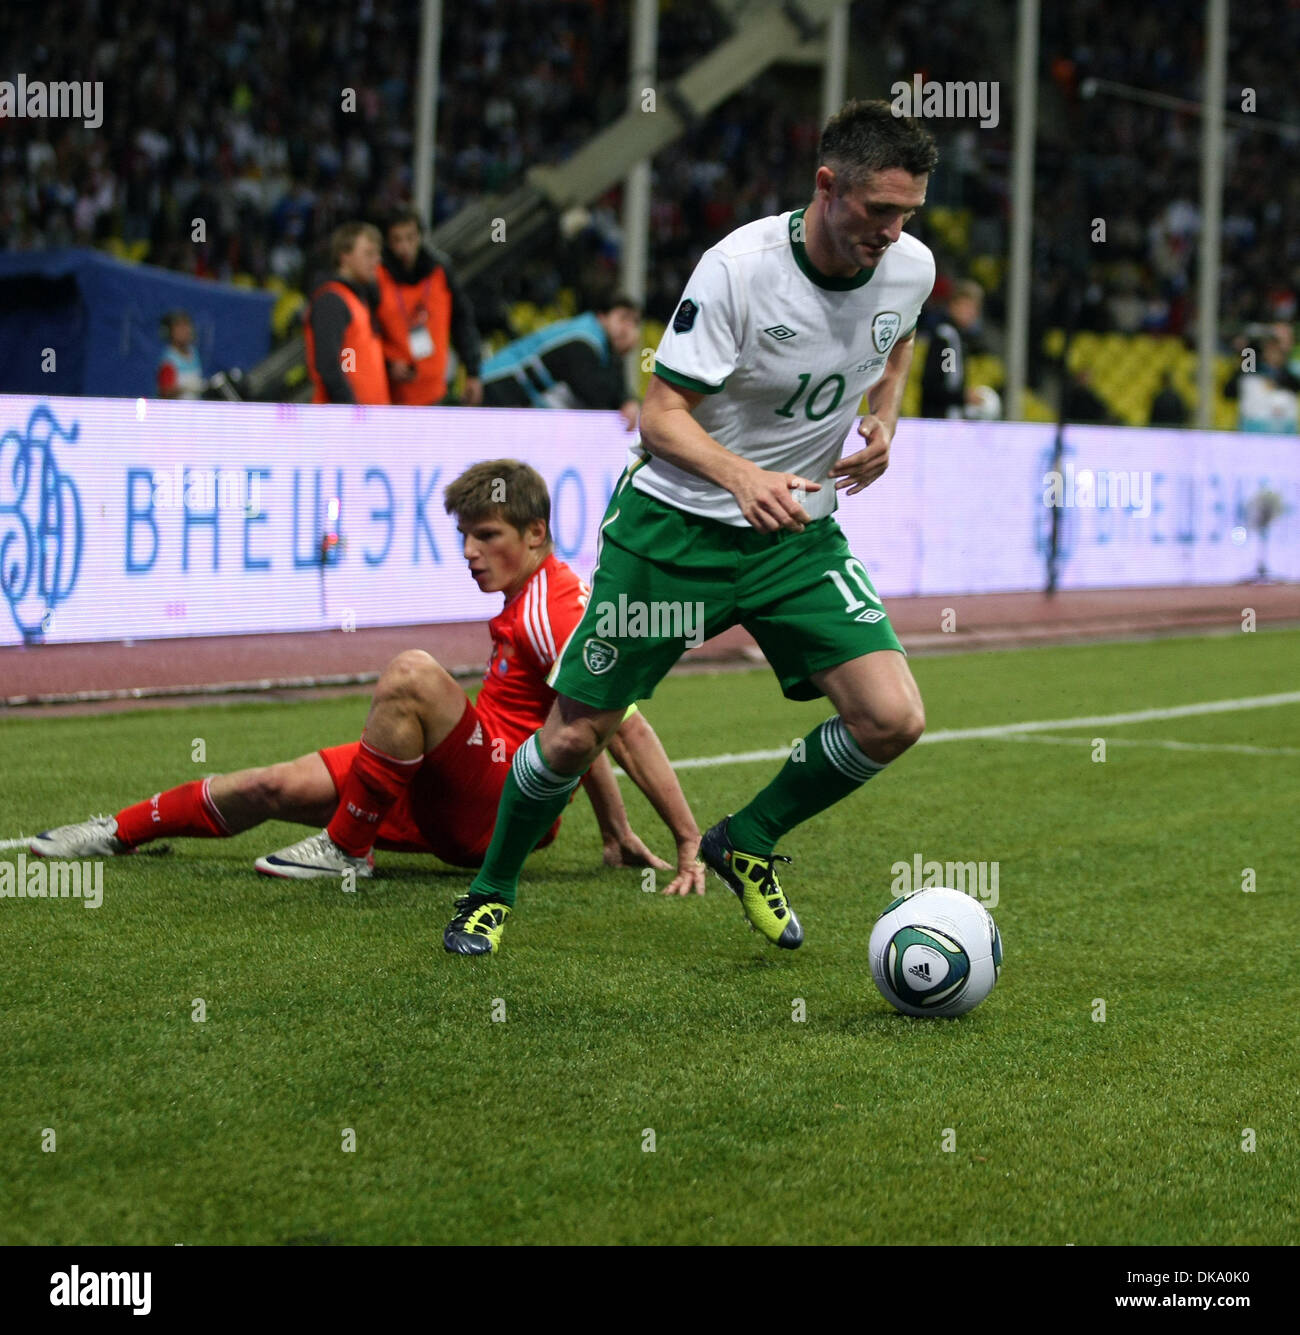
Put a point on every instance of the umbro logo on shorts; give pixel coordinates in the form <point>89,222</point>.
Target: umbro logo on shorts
<point>780,331</point>
<point>870,616</point>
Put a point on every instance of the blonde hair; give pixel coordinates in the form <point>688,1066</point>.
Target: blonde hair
<point>345,236</point>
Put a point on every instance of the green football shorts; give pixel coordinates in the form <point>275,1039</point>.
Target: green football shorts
<point>666,580</point>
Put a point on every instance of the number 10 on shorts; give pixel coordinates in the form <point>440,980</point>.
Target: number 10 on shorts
<point>856,571</point>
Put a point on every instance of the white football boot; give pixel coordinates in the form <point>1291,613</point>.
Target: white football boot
<point>93,838</point>
<point>317,855</point>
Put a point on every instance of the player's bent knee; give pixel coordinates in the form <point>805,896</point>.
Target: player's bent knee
<point>266,790</point>
<point>574,745</point>
<point>574,735</point>
<point>413,675</point>
<point>909,727</point>
<point>902,727</point>
<point>569,751</point>
<point>886,734</point>
<point>408,668</point>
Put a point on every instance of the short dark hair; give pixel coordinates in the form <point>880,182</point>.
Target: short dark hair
<point>866,137</point>
<point>404,213</point>
<point>618,301</point>
<point>500,488</point>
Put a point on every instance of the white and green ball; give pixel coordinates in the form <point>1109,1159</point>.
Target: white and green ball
<point>935,952</point>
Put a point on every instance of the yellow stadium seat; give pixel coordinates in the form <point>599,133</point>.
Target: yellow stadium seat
<point>987,270</point>
<point>287,307</point>
<point>524,317</point>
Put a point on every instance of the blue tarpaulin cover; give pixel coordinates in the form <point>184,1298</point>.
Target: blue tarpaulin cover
<point>101,318</point>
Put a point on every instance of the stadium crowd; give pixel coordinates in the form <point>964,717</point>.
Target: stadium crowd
<point>276,122</point>
<point>1140,167</point>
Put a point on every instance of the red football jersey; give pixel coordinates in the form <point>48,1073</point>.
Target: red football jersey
<point>527,636</point>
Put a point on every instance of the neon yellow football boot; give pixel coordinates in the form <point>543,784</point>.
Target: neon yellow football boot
<point>752,879</point>
<point>476,929</point>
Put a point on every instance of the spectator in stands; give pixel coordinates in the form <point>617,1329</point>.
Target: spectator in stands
<point>575,363</point>
<point>944,392</point>
<point>1268,396</point>
<point>345,354</point>
<point>1082,403</point>
<point>1168,407</point>
<point>180,373</point>
<point>423,311</point>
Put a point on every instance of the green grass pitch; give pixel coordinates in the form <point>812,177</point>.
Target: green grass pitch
<point>625,1013</point>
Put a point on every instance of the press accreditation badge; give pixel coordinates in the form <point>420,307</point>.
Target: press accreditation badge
<point>421,342</point>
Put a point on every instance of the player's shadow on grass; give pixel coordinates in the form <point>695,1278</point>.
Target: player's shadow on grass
<point>894,1024</point>
<point>760,960</point>
<point>393,888</point>
<point>722,962</point>
<point>410,867</point>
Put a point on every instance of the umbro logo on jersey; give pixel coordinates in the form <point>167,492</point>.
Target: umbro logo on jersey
<point>921,971</point>
<point>870,616</point>
<point>476,737</point>
<point>781,332</point>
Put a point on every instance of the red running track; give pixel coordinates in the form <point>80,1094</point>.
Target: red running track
<point>112,673</point>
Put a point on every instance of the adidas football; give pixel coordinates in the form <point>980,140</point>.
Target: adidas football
<point>935,952</point>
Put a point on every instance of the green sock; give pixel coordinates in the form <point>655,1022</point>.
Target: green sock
<point>827,767</point>
<point>533,796</point>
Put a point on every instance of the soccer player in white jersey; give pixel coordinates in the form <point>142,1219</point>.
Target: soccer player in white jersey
<point>728,515</point>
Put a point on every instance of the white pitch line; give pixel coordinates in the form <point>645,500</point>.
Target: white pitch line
<point>1041,725</point>
<point>1160,743</point>
<point>1107,720</point>
<point>1015,732</point>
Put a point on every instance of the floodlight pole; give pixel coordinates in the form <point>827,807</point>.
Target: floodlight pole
<point>1207,287</point>
<point>642,99</point>
<point>835,62</point>
<point>1022,208</point>
<point>426,109</point>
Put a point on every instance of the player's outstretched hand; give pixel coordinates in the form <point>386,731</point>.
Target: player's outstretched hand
<point>770,501</point>
<point>690,870</point>
<point>627,850</point>
<point>856,471</point>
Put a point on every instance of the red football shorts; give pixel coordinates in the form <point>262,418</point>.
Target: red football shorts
<point>450,808</point>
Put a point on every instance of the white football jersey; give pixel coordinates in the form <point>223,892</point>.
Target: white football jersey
<point>783,353</point>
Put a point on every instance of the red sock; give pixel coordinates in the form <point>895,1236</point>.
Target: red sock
<point>373,784</point>
<point>188,810</point>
